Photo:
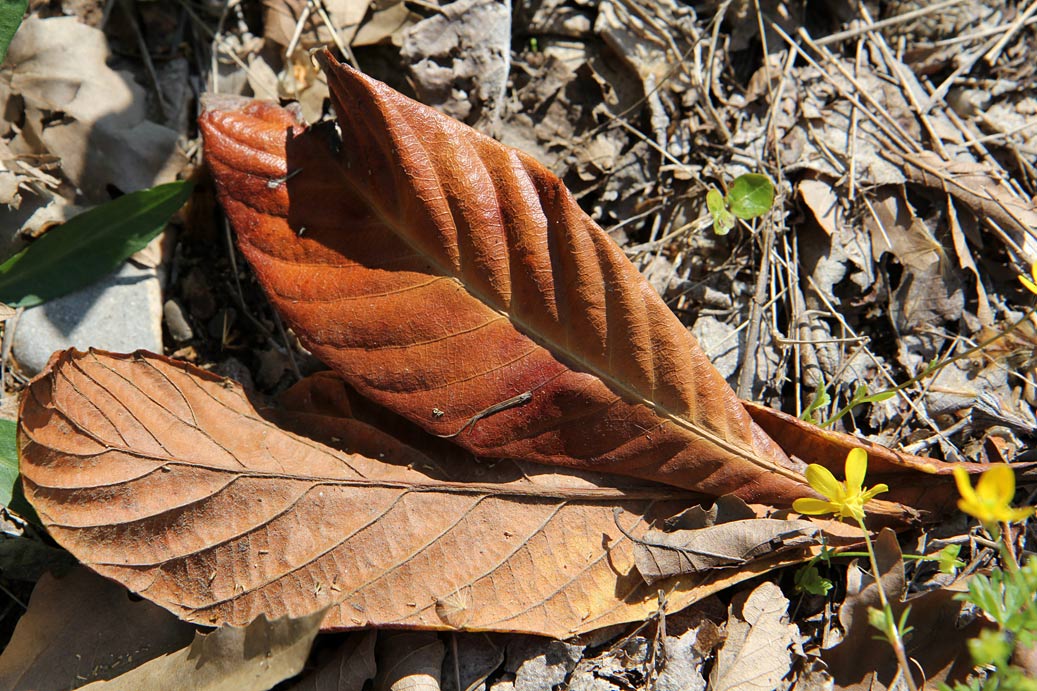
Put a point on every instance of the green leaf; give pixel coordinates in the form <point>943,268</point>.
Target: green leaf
<point>878,397</point>
<point>821,399</point>
<point>723,221</point>
<point>990,648</point>
<point>809,580</point>
<point>751,195</point>
<point>88,246</point>
<point>715,202</point>
<point>880,619</point>
<point>11,495</point>
<point>11,13</point>
<point>948,560</point>
<point>8,460</point>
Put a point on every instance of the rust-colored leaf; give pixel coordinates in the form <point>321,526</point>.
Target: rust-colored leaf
<point>164,477</point>
<point>457,282</point>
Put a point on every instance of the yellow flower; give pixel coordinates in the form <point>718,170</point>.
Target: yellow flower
<point>1027,283</point>
<point>990,500</point>
<point>845,499</point>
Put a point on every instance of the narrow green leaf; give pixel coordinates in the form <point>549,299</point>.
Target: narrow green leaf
<point>11,13</point>
<point>88,246</point>
<point>878,397</point>
<point>751,195</point>
<point>8,460</point>
<point>11,494</point>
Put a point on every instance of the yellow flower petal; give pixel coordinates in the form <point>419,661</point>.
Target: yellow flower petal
<point>990,501</point>
<point>975,509</point>
<point>961,478</point>
<point>997,485</point>
<point>1020,514</point>
<point>856,468</point>
<point>877,489</point>
<point>1027,283</point>
<point>823,482</point>
<point>814,507</point>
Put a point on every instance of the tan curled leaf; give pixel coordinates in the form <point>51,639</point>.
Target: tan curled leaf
<point>756,655</point>
<point>457,282</point>
<point>660,555</point>
<point>82,628</point>
<point>163,477</point>
<point>255,657</point>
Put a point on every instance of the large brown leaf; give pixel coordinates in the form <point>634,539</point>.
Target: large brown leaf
<point>457,282</point>
<point>164,477</point>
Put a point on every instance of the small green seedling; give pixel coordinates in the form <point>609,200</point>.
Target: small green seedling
<point>821,399</point>
<point>750,196</point>
<point>809,580</point>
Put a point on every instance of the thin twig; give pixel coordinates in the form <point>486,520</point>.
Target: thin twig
<point>747,375</point>
<point>889,21</point>
<point>994,53</point>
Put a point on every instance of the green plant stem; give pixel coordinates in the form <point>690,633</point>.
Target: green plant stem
<point>933,369</point>
<point>891,632</point>
<point>908,557</point>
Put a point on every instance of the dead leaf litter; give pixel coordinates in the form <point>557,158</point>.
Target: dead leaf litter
<point>900,137</point>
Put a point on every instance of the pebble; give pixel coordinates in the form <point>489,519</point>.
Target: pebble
<point>122,313</point>
<point>176,321</point>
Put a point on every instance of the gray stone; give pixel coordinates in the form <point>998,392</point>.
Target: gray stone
<point>122,313</point>
<point>176,321</point>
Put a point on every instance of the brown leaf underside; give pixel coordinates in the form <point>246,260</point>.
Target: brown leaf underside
<point>163,477</point>
<point>442,273</point>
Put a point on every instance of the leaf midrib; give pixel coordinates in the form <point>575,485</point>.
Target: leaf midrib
<point>549,344</point>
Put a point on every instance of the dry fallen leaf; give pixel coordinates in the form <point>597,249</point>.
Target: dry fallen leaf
<point>661,554</point>
<point>979,188</point>
<point>384,20</point>
<point>458,60</point>
<point>349,667</point>
<point>82,628</point>
<point>59,65</point>
<point>756,654</point>
<point>163,477</point>
<point>409,661</point>
<point>255,657</point>
<point>457,282</point>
